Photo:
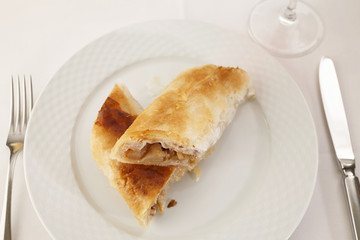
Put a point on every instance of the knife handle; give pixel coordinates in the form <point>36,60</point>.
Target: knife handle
<point>352,188</point>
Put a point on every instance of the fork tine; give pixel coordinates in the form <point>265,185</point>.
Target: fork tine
<point>31,95</point>
<point>19,109</point>
<point>12,116</point>
<point>22,101</point>
<point>25,102</point>
<point>28,98</point>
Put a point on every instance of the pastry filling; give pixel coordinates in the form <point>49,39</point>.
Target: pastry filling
<point>161,200</point>
<point>197,173</point>
<point>157,155</point>
<point>152,210</point>
<point>160,203</point>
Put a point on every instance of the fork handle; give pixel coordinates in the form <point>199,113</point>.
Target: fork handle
<point>5,229</point>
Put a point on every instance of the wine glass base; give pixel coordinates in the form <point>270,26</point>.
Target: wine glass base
<point>271,30</point>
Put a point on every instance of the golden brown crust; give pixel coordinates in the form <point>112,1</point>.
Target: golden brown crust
<point>188,117</point>
<point>140,185</point>
<point>146,180</point>
<point>113,119</point>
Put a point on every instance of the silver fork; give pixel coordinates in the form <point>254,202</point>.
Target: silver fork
<point>21,105</point>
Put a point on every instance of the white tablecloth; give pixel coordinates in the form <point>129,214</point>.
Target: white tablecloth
<point>38,36</point>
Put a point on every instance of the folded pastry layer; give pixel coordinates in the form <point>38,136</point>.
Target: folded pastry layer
<point>182,125</point>
<point>143,187</point>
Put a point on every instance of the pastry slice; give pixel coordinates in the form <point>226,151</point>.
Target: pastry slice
<point>183,124</point>
<point>142,186</point>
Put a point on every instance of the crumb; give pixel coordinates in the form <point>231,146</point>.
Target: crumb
<point>250,95</point>
<point>172,203</point>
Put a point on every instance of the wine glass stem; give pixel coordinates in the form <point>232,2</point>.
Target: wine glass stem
<point>289,15</point>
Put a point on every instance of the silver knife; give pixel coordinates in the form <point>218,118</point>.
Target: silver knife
<point>339,131</point>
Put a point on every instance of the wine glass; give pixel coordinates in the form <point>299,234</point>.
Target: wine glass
<point>292,30</point>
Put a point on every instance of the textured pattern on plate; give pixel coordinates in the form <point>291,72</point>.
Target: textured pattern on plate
<point>278,205</point>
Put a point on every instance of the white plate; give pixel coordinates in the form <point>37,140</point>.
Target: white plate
<point>257,184</point>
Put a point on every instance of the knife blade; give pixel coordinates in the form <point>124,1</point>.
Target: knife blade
<point>339,132</point>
